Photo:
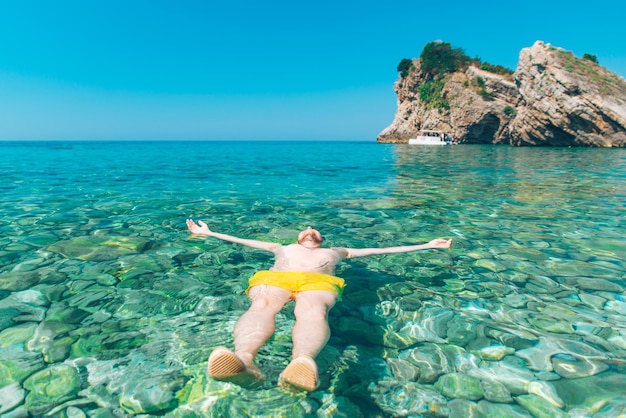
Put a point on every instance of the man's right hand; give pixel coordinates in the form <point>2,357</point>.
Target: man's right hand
<point>200,229</point>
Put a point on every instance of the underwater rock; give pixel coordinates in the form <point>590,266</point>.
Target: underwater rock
<point>495,391</point>
<point>403,370</point>
<point>547,376</point>
<point>571,367</point>
<point>518,300</point>
<point>592,300</point>
<point>28,265</point>
<point>358,370</point>
<point>578,413</point>
<point>618,340</point>
<point>387,309</point>
<point>486,409</point>
<point>100,247</point>
<point>546,391</point>
<point>59,350</point>
<point>359,297</point>
<point>411,302</point>
<point>517,277</point>
<point>403,399</point>
<point>379,314</point>
<point>494,352</point>
<point>18,280</point>
<point>460,385</point>
<point>491,265</point>
<point>397,290</point>
<point>90,301</point>
<point>396,340</point>
<point>141,304</point>
<point>538,357</point>
<point>193,390</point>
<point>48,340</point>
<point>436,319</point>
<point>339,406</point>
<point>454,285</point>
<point>60,312</point>
<point>351,328</point>
<point>430,359</point>
<point>613,407</point>
<point>105,280</point>
<point>13,312</point>
<point>594,392</point>
<point>210,305</point>
<point>461,408</point>
<point>17,364</point>
<point>218,399</point>
<point>510,372</point>
<point>461,332</point>
<point>415,332</point>
<point>524,270</point>
<point>31,296</point>
<point>19,412</point>
<point>148,396</point>
<point>517,342</point>
<point>17,334</point>
<point>149,264</point>
<point>73,412</point>
<point>598,284</point>
<point>10,396</point>
<point>539,407</point>
<point>51,387</point>
<point>542,285</point>
<point>616,306</point>
<point>87,346</point>
<point>460,359</point>
<point>143,381</point>
<point>550,323</point>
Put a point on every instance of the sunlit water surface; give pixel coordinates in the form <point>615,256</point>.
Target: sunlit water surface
<point>109,308</point>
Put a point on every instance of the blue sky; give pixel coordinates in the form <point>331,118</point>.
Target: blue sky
<point>234,69</point>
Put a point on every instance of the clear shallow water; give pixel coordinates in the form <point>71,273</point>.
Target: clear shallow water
<point>108,308</point>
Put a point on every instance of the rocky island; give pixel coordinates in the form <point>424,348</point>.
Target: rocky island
<point>553,98</point>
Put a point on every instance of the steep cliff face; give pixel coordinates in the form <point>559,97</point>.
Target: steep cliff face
<point>553,98</point>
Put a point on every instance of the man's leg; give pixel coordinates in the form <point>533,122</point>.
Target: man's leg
<point>252,330</point>
<point>310,334</point>
<point>257,325</point>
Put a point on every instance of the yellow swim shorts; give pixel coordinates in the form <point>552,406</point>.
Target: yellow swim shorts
<point>296,282</point>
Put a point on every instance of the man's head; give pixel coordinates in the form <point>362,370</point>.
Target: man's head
<point>310,238</point>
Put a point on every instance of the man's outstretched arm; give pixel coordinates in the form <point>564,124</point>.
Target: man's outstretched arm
<point>363,252</point>
<point>202,229</point>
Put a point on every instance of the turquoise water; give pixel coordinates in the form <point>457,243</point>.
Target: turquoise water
<point>109,308</point>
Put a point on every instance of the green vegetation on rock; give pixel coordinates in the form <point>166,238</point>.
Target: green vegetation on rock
<point>437,61</point>
<point>510,111</point>
<point>482,89</point>
<point>405,66</point>
<point>589,68</point>
<point>496,69</point>
<point>431,94</point>
<point>438,58</point>
<point>590,57</point>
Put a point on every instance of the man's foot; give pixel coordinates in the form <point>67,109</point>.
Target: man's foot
<point>300,374</point>
<point>224,365</point>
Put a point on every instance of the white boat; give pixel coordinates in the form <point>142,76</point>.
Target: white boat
<point>427,137</point>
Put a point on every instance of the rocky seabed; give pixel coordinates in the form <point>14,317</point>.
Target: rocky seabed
<point>115,325</point>
<point>108,308</point>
